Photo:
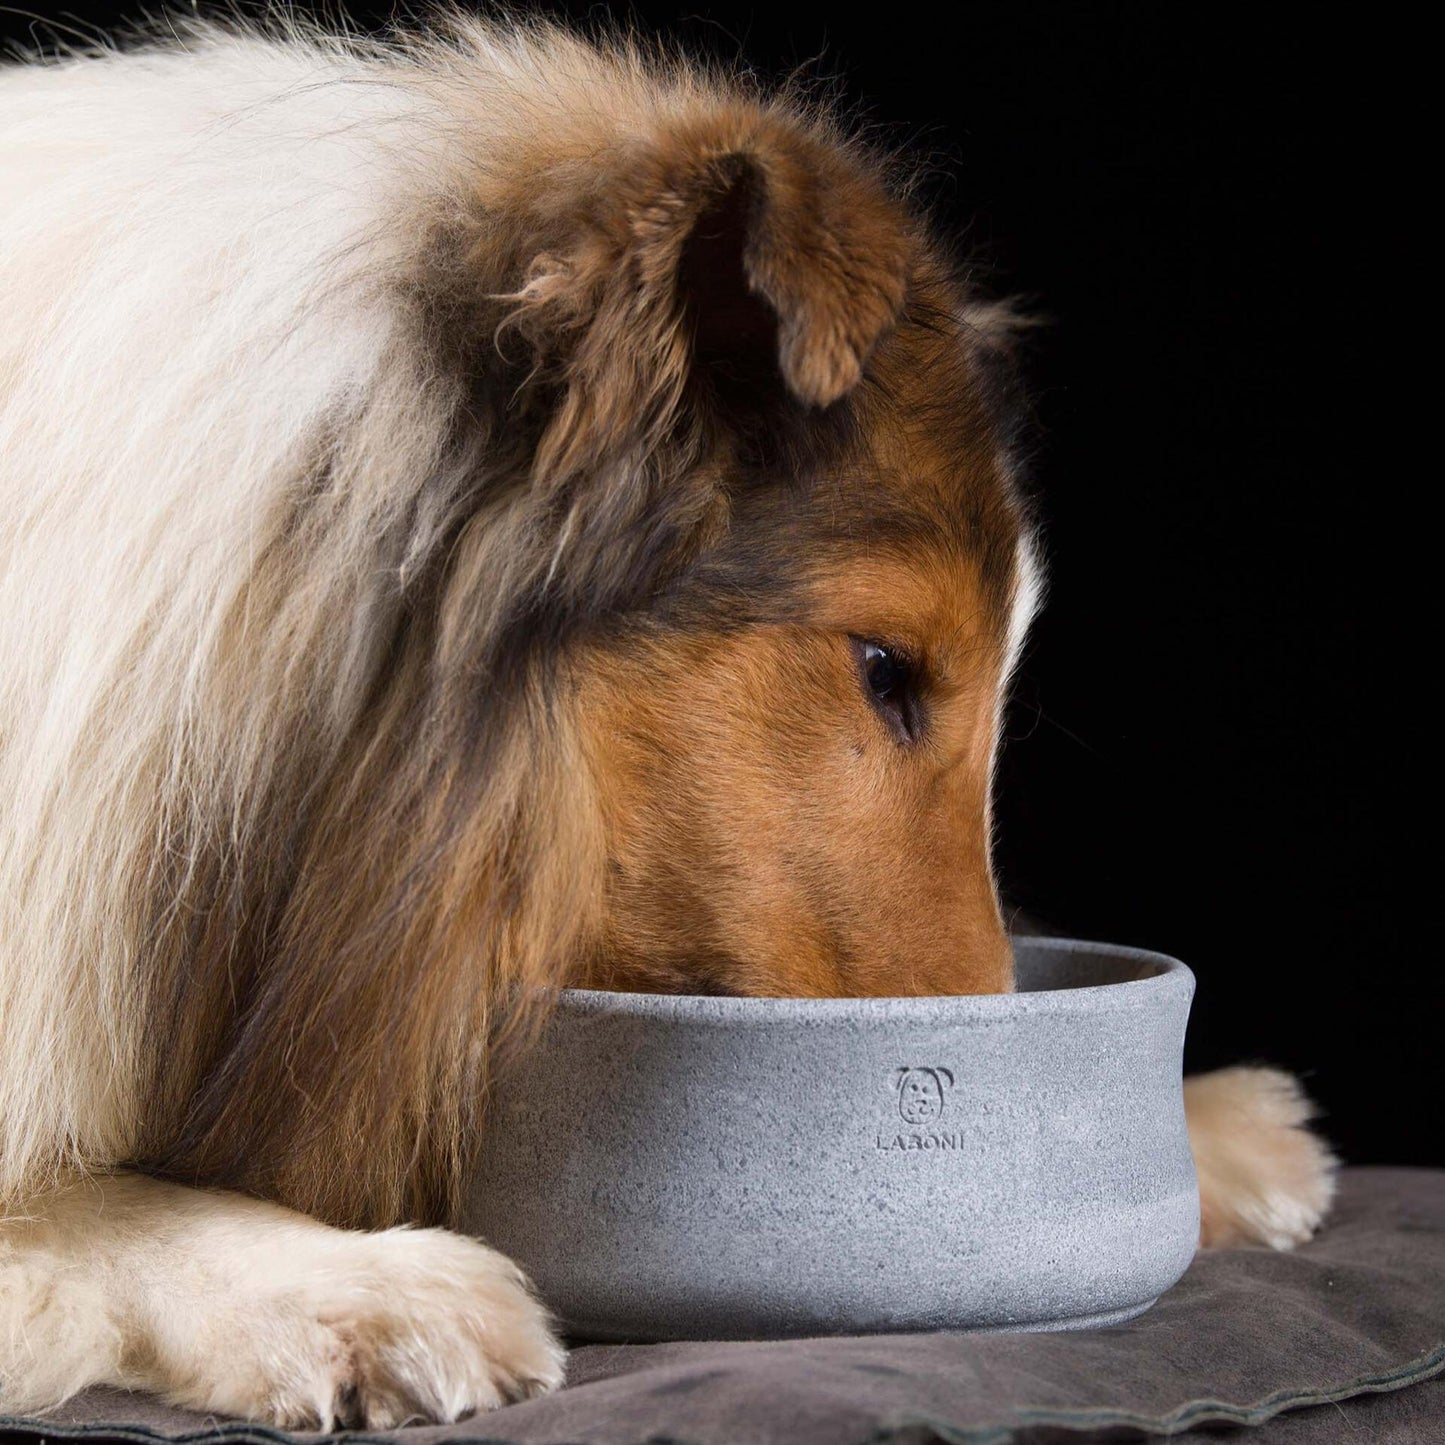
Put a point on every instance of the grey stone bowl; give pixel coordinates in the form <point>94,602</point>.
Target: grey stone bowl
<point>712,1168</point>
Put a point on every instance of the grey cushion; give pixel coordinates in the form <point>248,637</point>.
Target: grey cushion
<point>1342,1340</point>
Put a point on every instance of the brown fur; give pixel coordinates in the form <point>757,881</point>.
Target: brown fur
<point>768,835</point>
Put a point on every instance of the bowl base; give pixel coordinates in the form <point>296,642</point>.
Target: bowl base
<point>1072,1322</point>
<point>580,1335</point>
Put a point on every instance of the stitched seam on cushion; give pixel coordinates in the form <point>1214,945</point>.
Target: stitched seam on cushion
<point>1183,1417</point>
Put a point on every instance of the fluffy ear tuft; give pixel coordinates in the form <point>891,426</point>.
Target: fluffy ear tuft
<point>710,272</point>
<point>796,254</point>
<point>734,249</point>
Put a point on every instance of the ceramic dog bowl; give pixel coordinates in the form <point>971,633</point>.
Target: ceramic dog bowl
<point>687,1168</point>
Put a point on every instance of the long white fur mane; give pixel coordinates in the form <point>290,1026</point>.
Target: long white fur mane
<point>194,254</point>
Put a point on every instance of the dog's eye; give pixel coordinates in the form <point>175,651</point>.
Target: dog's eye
<point>886,670</point>
<point>892,683</point>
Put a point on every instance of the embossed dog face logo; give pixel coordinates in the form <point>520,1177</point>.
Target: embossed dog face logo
<point>920,1094</point>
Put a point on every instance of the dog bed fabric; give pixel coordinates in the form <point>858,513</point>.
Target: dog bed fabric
<point>1341,1340</point>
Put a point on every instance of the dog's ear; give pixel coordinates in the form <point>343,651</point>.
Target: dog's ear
<point>738,257</point>
<point>792,267</point>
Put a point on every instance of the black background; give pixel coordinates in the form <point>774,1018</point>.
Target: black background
<point>1217,741</point>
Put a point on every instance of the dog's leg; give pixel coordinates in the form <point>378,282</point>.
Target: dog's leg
<point>228,1304</point>
<point>1264,1177</point>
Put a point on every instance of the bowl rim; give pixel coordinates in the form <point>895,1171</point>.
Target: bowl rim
<point>1170,978</point>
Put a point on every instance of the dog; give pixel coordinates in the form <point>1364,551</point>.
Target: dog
<point>482,512</point>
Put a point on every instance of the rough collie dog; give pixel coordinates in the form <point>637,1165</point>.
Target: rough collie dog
<point>476,514</point>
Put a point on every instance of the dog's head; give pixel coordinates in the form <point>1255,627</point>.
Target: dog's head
<point>792,518</point>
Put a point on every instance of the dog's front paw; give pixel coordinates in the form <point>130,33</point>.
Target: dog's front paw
<point>1264,1177</point>
<point>371,1331</point>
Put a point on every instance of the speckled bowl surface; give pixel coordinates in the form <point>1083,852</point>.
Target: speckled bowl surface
<point>689,1168</point>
